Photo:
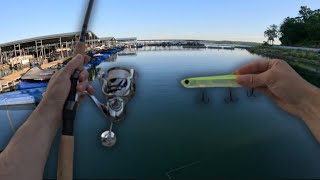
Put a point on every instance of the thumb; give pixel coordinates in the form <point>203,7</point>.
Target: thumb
<point>76,63</point>
<point>252,80</point>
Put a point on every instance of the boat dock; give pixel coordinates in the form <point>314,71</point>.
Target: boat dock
<point>221,47</point>
<point>18,57</point>
<point>54,63</point>
<point>9,82</point>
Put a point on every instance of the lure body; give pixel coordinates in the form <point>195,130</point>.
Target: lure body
<point>211,81</point>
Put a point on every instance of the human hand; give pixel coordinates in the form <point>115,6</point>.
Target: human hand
<point>278,80</point>
<point>60,84</point>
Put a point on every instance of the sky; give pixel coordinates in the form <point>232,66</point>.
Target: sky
<point>237,20</point>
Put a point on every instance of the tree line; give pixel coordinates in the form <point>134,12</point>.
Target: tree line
<point>303,30</point>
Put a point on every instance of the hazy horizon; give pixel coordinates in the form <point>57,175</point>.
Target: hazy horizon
<point>228,20</point>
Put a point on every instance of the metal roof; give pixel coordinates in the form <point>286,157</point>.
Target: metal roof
<point>48,37</point>
<point>107,39</point>
<point>127,39</point>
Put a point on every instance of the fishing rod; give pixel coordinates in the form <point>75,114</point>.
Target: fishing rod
<point>66,150</point>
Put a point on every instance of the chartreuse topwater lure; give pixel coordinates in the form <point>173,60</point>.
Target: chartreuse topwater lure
<point>211,81</point>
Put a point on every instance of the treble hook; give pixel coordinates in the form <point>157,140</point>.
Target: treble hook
<point>231,98</point>
<point>205,99</point>
<point>250,93</point>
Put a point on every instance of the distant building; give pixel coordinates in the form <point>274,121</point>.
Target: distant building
<point>41,47</point>
<point>129,42</point>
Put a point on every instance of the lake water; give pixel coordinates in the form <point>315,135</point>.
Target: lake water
<point>170,133</point>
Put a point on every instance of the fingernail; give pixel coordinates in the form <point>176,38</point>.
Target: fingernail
<point>243,79</point>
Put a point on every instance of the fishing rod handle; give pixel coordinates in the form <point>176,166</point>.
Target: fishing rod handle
<point>70,107</point>
<point>65,162</point>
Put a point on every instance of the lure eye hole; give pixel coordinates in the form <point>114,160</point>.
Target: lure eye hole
<point>186,81</point>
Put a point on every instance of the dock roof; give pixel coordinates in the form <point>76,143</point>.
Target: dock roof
<point>50,39</point>
<point>126,39</point>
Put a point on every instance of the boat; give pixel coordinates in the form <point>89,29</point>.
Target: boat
<point>101,56</point>
<point>119,49</point>
<point>139,46</point>
<point>128,52</point>
<point>38,74</point>
<point>110,51</point>
<point>98,55</point>
<point>27,96</point>
<point>31,85</point>
<point>35,78</point>
<point>96,60</point>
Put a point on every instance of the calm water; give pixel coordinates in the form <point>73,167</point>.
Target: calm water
<point>170,133</point>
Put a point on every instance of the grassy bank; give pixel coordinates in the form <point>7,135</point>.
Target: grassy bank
<point>306,63</point>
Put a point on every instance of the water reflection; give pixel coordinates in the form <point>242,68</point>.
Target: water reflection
<point>94,70</point>
<point>205,98</point>
<point>250,93</point>
<point>128,52</point>
<point>231,97</point>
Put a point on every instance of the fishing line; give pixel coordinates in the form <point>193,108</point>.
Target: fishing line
<point>180,168</point>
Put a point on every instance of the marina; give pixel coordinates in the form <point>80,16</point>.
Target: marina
<point>171,132</point>
<point>53,51</point>
<point>159,90</point>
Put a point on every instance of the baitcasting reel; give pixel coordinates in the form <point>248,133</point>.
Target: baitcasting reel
<point>118,86</point>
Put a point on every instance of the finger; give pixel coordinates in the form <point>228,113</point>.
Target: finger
<point>81,97</point>
<point>86,59</point>
<point>82,86</point>
<point>267,92</point>
<point>55,74</point>
<point>255,67</point>
<point>253,80</point>
<point>76,63</point>
<point>83,75</point>
<point>90,90</point>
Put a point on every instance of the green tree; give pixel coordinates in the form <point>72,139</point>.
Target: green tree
<point>303,30</point>
<point>312,27</point>
<point>305,12</point>
<point>292,31</point>
<point>271,33</point>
